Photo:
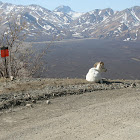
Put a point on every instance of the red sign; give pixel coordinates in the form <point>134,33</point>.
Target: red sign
<point>4,52</point>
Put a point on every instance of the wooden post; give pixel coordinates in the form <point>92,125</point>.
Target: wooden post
<point>6,68</point>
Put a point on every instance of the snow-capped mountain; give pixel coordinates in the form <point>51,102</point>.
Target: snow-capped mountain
<point>67,10</point>
<point>43,24</point>
<point>107,24</point>
<point>63,9</point>
<point>63,22</point>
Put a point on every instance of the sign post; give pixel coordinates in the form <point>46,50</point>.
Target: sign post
<point>4,54</point>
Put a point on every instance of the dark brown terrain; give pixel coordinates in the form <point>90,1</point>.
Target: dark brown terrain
<point>73,58</point>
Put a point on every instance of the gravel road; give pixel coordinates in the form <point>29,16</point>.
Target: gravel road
<point>97,115</point>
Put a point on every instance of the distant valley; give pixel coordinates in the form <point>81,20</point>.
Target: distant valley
<point>73,58</point>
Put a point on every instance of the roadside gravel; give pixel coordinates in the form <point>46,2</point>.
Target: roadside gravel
<point>103,113</point>
<point>29,91</point>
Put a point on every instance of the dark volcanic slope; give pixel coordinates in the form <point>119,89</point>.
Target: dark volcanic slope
<point>73,58</point>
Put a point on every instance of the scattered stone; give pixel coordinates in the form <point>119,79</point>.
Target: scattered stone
<point>29,105</point>
<point>11,78</point>
<point>48,102</point>
<point>27,98</point>
<point>33,101</point>
<point>133,85</point>
<point>28,95</point>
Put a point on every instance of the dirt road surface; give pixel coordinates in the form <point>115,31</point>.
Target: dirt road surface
<point>99,115</point>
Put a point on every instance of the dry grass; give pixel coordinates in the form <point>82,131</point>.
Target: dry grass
<point>6,86</point>
<point>17,86</point>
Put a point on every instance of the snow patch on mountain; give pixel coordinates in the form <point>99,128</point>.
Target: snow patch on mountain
<point>67,10</point>
<point>68,24</point>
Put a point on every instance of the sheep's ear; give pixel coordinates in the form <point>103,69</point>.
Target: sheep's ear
<point>102,63</point>
<point>95,65</point>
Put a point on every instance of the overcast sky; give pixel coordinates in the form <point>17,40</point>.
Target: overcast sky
<point>80,5</point>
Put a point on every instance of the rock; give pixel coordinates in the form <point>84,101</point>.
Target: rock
<point>29,105</point>
<point>33,101</point>
<point>11,78</point>
<point>133,85</point>
<point>48,102</point>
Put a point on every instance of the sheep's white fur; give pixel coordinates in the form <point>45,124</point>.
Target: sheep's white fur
<point>94,74</point>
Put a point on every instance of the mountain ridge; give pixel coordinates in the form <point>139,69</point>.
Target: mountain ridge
<point>64,23</point>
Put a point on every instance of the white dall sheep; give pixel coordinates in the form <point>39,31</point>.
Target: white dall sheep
<point>94,74</point>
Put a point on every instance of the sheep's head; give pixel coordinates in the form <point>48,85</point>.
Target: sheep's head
<point>100,66</point>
